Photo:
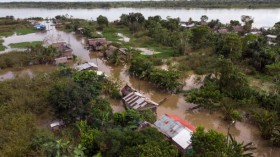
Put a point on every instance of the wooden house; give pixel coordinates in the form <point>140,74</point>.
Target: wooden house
<point>137,101</point>
<point>96,44</point>
<point>64,48</point>
<point>112,49</point>
<point>60,60</point>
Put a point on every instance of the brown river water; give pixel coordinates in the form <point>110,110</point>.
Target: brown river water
<point>175,103</point>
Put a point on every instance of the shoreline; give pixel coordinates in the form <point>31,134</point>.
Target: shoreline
<point>144,4</point>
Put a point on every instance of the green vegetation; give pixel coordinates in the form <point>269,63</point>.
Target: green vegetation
<point>2,47</point>
<point>25,31</point>
<point>153,4</point>
<point>25,44</point>
<point>35,55</point>
<point>91,126</point>
<point>79,99</point>
<point>8,25</point>
<point>212,143</point>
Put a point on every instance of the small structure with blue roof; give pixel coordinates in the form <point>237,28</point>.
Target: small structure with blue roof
<point>40,27</point>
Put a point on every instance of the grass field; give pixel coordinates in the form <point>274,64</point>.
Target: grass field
<point>25,44</point>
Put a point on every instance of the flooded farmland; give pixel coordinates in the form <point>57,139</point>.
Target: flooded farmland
<point>174,104</point>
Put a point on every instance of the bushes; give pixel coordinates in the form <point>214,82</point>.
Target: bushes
<point>14,59</point>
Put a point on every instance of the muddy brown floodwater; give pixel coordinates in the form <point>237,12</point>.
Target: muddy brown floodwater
<point>175,103</point>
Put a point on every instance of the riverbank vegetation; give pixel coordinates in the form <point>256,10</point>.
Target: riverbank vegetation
<point>25,44</point>
<point>149,4</point>
<point>9,25</point>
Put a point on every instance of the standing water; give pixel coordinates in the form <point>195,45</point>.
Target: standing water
<point>174,104</point>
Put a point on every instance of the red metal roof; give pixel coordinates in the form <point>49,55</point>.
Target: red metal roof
<point>182,121</point>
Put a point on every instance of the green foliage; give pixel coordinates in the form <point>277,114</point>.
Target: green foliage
<point>2,47</point>
<point>69,100</point>
<point>231,46</point>
<point>140,67</point>
<point>10,25</point>
<point>209,143</point>
<point>25,31</point>
<point>22,102</point>
<point>212,143</point>
<point>25,44</point>
<point>232,82</point>
<point>165,79</point>
<point>14,59</point>
<point>101,113</point>
<point>199,38</point>
<point>266,122</point>
<point>102,21</point>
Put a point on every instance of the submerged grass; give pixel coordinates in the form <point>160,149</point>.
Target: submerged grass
<point>25,44</point>
<point>25,31</point>
<point>2,48</point>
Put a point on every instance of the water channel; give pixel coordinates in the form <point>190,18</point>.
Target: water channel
<point>175,103</point>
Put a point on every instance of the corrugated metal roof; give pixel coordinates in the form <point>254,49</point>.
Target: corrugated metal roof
<point>176,128</point>
<point>169,126</point>
<point>85,66</point>
<point>137,101</point>
<point>182,121</point>
<point>183,138</point>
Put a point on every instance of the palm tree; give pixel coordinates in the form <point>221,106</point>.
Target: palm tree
<point>239,149</point>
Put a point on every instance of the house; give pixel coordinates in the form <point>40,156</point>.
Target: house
<point>187,25</point>
<point>222,31</point>
<point>64,48</point>
<point>237,29</point>
<point>60,60</point>
<point>97,44</point>
<point>177,130</point>
<point>58,23</point>
<point>40,26</point>
<point>126,90</point>
<point>138,101</point>
<point>86,66</point>
<point>111,49</point>
<point>271,39</point>
<point>253,33</point>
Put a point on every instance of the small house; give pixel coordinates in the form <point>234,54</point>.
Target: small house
<point>126,90</point>
<point>139,102</point>
<point>177,130</point>
<point>222,31</point>
<point>60,60</point>
<point>97,44</point>
<point>64,48</point>
<point>112,49</point>
<point>271,39</point>
<point>40,27</point>
<point>86,66</point>
<point>238,29</point>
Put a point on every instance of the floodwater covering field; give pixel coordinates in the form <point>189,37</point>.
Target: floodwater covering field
<point>174,104</point>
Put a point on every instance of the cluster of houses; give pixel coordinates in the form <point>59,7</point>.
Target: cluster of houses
<point>98,44</point>
<point>223,30</point>
<point>173,127</point>
<point>177,130</point>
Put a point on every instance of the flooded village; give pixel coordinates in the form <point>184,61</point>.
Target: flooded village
<point>109,51</point>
